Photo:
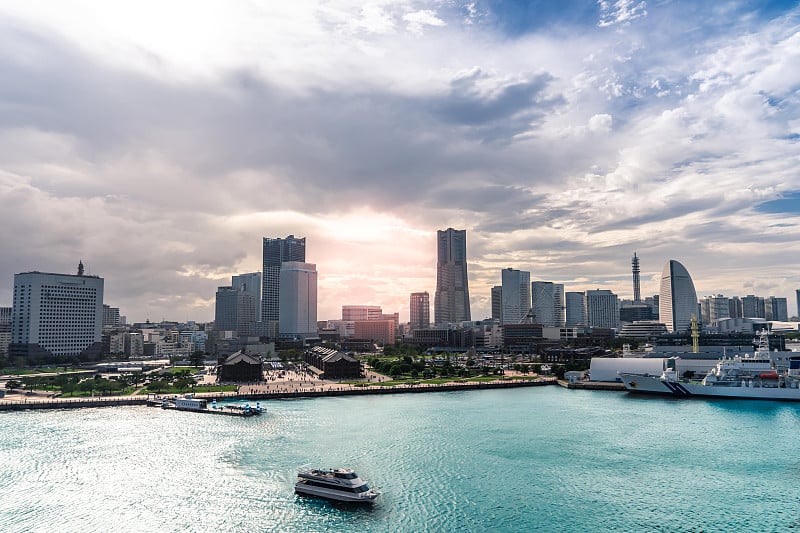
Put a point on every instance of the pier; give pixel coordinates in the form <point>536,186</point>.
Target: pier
<point>192,404</point>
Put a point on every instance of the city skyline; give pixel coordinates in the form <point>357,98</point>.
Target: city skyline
<point>563,138</point>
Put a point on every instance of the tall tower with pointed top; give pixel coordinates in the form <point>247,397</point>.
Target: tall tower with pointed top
<point>637,294</point>
<point>451,301</point>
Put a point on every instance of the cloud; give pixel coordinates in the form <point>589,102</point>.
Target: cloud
<point>620,12</point>
<point>561,147</point>
<point>419,19</point>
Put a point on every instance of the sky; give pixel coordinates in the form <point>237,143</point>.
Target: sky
<point>160,141</point>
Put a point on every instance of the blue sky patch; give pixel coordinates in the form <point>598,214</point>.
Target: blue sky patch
<point>790,203</point>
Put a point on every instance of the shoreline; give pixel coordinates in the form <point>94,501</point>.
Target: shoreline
<point>114,401</point>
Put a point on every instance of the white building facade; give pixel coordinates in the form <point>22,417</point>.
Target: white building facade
<point>602,309</point>
<point>57,315</point>
<point>298,300</point>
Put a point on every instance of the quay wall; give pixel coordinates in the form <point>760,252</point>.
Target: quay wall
<point>593,385</point>
<point>76,403</point>
<point>398,389</point>
<point>70,403</point>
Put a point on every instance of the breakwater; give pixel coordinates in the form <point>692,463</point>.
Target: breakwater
<point>309,392</point>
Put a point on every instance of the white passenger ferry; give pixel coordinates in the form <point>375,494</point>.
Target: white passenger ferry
<point>339,484</point>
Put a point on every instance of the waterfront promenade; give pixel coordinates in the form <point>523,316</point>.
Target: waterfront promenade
<point>293,385</point>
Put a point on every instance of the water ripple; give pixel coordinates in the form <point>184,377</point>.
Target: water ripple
<point>520,460</point>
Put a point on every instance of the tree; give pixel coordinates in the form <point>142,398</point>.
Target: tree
<point>184,382</point>
<point>158,385</point>
<point>12,384</point>
<point>197,358</point>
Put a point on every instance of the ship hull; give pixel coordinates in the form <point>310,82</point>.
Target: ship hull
<point>332,494</point>
<point>655,385</point>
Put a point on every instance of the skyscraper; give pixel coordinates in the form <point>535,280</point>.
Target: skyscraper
<point>776,309</point>
<point>275,253</point>
<point>56,315</point>
<point>735,307</point>
<point>110,316</point>
<point>298,303</point>
<point>714,308</point>
<point>516,295</point>
<point>544,303</point>
<point>5,330</point>
<point>235,310</point>
<point>420,310</point>
<point>451,301</point>
<point>497,303</point>
<point>677,297</point>
<point>251,284</point>
<point>637,294</point>
<point>575,310</point>
<point>602,309</point>
<point>753,307</point>
<point>560,304</point>
<point>797,295</point>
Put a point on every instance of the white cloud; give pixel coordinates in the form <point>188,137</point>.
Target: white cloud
<point>620,11</point>
<point>165,155</point>
<point>600,123</point>
<point>419,19</point>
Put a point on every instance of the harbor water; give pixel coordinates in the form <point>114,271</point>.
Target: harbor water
<point>529,459</point>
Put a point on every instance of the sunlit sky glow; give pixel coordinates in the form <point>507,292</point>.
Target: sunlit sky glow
<point>160,141</point>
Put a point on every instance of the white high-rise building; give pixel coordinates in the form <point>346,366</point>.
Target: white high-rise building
<point>516,295</point>
<point>57,315</point>
<point>602,309</point>
<point>677,297</point>
<point>298,300</point>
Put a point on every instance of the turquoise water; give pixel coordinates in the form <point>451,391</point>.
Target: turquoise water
<point>531,459</point>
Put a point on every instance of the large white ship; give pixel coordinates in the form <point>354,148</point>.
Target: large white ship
<point>741,376</point>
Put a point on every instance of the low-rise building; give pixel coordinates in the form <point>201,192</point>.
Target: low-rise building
<point>240,367</point>
<point>332,364</point>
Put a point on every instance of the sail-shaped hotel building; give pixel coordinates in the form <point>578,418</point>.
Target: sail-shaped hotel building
<point>677,297</point>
